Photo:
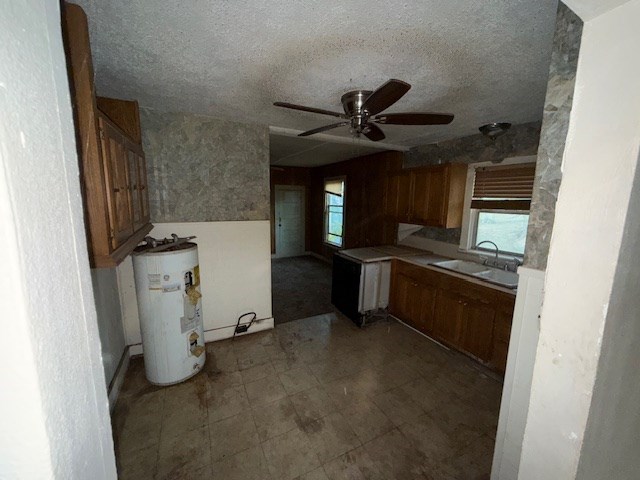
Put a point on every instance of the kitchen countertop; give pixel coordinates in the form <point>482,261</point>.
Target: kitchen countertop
<point>428,259</point>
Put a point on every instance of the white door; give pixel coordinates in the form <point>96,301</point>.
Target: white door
<point>289,221</point>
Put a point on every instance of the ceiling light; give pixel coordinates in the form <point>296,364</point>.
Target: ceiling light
<point>494,130</point>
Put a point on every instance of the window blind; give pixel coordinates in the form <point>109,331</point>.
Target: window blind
<point>503,187</point>
<point>334,187</point>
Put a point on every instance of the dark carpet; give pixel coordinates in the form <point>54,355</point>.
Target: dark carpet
<point>301,288</point>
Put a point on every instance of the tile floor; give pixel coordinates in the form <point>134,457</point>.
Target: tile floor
<point>301,288</point>
<point>316,398</point>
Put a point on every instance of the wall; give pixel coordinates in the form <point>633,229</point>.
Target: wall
<point>226,165</point>
<point>520,140</point>
<point>610,448</point>
<point>364,207</point>
<point>298,176</point>
<point>54,414</point>
<point>555,123</point>
<point>109,311</point>
<point>203,169</point>
<point>586,311</point>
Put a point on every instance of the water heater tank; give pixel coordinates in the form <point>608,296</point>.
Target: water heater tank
<point>170,306</point>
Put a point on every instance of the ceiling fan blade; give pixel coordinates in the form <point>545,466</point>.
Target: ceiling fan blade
<point>309,109</point>
<point>322,129</point>
<point>385,96</point>
<point>414,118</point>
<point>373,132</point>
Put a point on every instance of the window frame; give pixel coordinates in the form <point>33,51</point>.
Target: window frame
<point>325,213</point>
<point>470,215</point>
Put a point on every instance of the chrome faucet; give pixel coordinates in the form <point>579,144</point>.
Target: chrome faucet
<point>494,246</point>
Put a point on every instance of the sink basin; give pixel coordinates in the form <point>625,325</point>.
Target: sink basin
<point>488,274</point>
<point>470,268</point>
<point>499,277</point>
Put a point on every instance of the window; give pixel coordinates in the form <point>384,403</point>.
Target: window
<point>507,229</point>
<point>499,212</point>
<point>334,194</point>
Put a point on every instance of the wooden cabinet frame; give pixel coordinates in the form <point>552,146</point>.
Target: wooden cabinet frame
<point>108,189</point>
<point>464,315</point>
<point>431,196</point>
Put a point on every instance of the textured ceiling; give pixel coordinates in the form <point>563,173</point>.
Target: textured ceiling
<point>285,150</point>
<point>481,60</point>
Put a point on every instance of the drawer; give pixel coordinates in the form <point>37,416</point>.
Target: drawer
<point>419,274</point>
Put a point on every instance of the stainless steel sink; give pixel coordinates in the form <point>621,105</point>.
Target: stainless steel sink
<point>499,277</point>
<point>461,266</point>
<point>482,272</point>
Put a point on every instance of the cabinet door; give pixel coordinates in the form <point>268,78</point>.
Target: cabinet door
<point>398,202</point>
<point>400,299</point>
<point>447,324</point>
<point>502,334</point>
<point>117,179</point>
<point>426,299</point>
<point>477,329</point>
<point>437,191</point>
<point>142,188</point>
<point>134,189</point>
<point>421,180</point>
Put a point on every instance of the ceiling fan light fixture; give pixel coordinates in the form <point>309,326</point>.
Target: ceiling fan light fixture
<point>361,109</point>
<point>494,130</point>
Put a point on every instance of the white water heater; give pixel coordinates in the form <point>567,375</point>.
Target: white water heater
<point>167,278</point>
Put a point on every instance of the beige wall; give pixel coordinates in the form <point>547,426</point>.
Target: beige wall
<point>578,315</point>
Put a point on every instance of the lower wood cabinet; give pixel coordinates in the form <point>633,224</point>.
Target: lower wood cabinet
<point>477,334</point>
<point>447,321</point>
<point>471,318</point>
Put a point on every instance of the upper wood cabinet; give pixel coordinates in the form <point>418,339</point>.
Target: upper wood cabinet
<point>112,164</point>
<point>398,205</point>
<point>469,317</point>
<point>123,113</point>
<point>431,196</point>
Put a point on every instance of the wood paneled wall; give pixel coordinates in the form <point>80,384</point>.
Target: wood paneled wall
<point>365,224</point>
<point>298,176</point>
<point>366,178</point>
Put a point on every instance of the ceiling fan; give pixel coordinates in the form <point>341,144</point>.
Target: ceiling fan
<point>362,111</point>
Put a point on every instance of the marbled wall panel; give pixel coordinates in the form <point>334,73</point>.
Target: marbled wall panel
<point>520,140</point>
<point>203,169</point>
<point>555,124</point>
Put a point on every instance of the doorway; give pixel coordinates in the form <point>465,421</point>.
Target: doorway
<point>289,221</point>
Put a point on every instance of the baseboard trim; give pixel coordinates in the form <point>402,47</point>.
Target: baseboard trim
<point>118,379</point>
<point>222,333</point>
<point>320,257</point>
<point>419,332</point>
<point>215,334</point>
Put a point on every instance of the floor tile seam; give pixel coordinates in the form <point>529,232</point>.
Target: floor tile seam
<point>298,425</point>
<point>164,397</point>
<point>393,427</point>
<point>244,450</point>
<point>464,445</point>
<point>302,420</point>
<point>266,462</point>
